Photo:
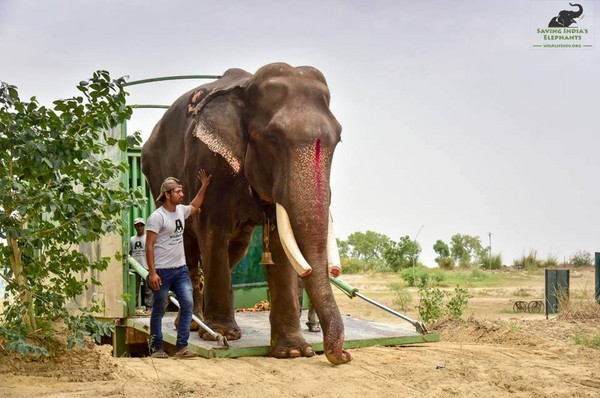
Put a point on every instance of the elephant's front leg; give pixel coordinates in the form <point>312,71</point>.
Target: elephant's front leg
<point>286,336</point>
<point>219,312</point>
<point>192,256</point>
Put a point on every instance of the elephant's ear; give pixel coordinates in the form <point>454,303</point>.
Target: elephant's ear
<point>231,79</point>
<point>217,109</point>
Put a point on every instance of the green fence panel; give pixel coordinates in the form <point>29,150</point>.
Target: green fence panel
<point>136,179</point>
<point>556,289</point>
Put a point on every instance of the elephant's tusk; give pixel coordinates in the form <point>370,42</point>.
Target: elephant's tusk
<point>333,255</point>
<point>289,244</point>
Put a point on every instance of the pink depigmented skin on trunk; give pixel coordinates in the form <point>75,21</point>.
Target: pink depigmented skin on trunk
<point>318,174</point>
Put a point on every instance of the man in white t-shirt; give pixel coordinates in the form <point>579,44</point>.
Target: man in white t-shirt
<point>165,257</point>
<point>137,250</point>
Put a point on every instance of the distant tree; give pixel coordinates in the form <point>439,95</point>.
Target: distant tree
<point>343,247</point>
<point>465,249</point>
<point>57,190</point>
<point>368,246</point>
<point>443,258</point>
<point>581,258</point>
<point>401,254</point>
<point>441,249</point>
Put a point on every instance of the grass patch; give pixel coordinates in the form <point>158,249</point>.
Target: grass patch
<point>577,310</point>
<point>421,277</point>
<point>473,278</point>
<point>587,340</point>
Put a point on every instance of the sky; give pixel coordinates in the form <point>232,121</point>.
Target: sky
<point>452,122</point>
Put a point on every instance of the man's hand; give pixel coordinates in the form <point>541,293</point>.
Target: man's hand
<point>154,281</point>
<point>205,179</point>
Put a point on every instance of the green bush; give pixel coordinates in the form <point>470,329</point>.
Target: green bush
<point>431,304</point>
<point>446,263</point>
<point>354,266</point>
<point>457,304</point>
<point>581,259</point>
<point>435,304</point>
<point>418,276</point>
<point>437,277</point>
<point>485,262</point>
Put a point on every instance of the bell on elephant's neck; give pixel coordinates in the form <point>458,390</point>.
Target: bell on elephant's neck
<point>266,258</point>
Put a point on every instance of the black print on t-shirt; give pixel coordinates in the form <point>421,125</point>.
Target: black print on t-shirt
<point>178,226</point>
<point>138,245</point>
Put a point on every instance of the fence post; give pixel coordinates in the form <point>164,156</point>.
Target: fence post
<point>597,294</point>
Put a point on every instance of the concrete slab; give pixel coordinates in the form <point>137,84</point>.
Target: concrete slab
<point>256,334</point>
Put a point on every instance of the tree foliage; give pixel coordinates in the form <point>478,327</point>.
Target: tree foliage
<point>343,248</point>
<point>368,246</point>
<point>441,249</point>
<point>402,254</point>
<point>465,249</point>
<point>57,190</point>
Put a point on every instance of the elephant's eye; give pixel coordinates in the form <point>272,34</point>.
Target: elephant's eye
<point>270,137</point>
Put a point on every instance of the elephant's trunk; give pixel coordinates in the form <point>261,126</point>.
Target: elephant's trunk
<point>307,202</point>
<point>313,245</point>
<point>577,14</point>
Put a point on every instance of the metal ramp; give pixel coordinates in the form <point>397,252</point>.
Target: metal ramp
<point>256,334</point>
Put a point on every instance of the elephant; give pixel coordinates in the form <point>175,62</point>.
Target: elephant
<point>268,141</point>
<point>566,18</point>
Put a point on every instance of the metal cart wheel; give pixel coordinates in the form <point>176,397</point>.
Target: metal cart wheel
<point>535,306</point>
<point>520,306</point>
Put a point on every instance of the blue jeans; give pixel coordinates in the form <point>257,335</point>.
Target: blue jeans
<point>178,281</point>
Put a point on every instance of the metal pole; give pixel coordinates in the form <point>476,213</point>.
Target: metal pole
<point>490,259</point>
<point>164,78</point>
<point>415,240</point>
<point>597,261</point>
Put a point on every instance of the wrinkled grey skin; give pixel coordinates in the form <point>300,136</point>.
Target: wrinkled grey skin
<point>265,138</point>
<point>566,18</point>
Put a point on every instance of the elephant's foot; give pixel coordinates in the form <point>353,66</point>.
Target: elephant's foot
<point>229,331</point>
<point>193,327</point>
<point>291,348</point>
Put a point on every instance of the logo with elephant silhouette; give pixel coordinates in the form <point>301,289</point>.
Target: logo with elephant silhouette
<point>566,18</point>
<point>561,25</point>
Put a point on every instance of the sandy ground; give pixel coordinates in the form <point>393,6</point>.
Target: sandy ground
<point>508,355</point>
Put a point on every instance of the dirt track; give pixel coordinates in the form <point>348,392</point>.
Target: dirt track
<point>476,358</point>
